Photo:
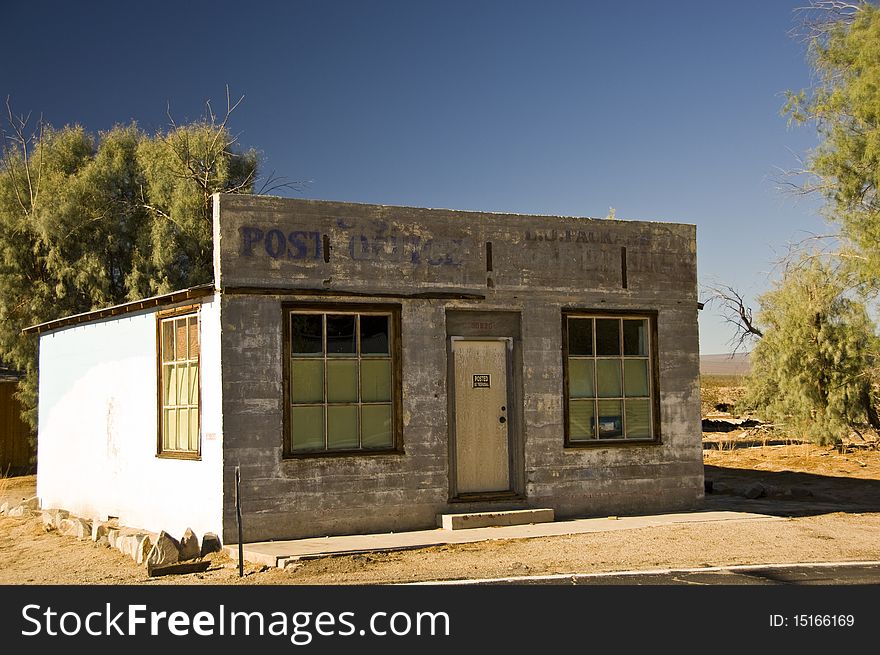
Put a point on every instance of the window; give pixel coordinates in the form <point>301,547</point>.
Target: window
<point>609,388</point>
<point>341,380</point>
<point>179,383</point>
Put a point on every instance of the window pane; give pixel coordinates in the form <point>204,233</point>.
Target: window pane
<point>374,335</point>
<point>167,341</point>
<point>375,380</point>
<point>182,429</point>
<point>169,385</point>
<point>170,433</point>
<point>307,385</point>
<point>581,420</point>
<point>340,335</point>
<point>182,385</point>
<point>307,428</point>
<point>635,337</point>
<point>193,337</point>
<point>306,334</point>
<point>194,384</point>
<point>608,378</point>
<point>635,373</point>
<point>580,378</point>
<point>580,336</point>
<point>638,419</point>
<point>607,336</point>
<point>180,338</point>
<point>342,381</point>
<point>194,429</point>
<point>610,419</point>
<point>342,427</point>
<point>376,426</point>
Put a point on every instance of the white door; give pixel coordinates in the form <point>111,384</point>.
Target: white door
<point>481,411</point>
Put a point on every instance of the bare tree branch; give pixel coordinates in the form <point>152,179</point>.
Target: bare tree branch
<point>737,313</point>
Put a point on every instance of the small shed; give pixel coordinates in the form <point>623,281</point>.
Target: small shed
<point>368,368</point>
<point>17,444</point>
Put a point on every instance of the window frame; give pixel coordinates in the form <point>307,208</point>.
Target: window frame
<point>395,352</point>
<point>653,376</point>
<point>161,317</point>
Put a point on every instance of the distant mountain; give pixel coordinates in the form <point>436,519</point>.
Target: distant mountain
<point>725,364</point>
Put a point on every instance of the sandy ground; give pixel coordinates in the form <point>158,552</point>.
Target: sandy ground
<point>831,501</point>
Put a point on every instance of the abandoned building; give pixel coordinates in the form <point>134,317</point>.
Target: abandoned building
<point>368,368</point>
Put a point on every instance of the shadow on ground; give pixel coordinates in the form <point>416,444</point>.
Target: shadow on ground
<point>788,493</point>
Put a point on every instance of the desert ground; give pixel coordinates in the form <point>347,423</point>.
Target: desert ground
<point>828,497</point>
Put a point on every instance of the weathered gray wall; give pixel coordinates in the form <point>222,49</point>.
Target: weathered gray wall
<point>393,254</point>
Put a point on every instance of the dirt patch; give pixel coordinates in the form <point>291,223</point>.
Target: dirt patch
<point>839,520</point>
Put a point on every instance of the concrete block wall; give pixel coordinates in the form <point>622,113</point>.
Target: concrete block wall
<point>415,258</point>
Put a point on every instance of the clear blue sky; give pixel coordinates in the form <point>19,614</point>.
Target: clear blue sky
<point>663,110</point>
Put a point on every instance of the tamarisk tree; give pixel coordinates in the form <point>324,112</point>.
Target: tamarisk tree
<point>88,221</point>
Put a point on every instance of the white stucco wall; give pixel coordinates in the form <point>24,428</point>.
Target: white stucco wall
<point>97,428</point>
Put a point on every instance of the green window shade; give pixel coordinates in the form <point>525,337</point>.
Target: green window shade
<point>635,337</point>
<point>182,386</point>
<point>342,381</point>
<point>610,419</point>
<point>170,433</point>
<point>342,427</point>
<point>376,426</point>
<point>607,336</point>
<point>182,429</point>
<point>307,428</point>
<point>580,378</point>
<point>638,419</point>
<point>307,385</point>
<point>635,372</point>
<point>580,336</point>
<point>608,378</point>
<point>193,428</point>
<point>581,420</point>
<point>169,384</point>
<point>194,383</point>
<point>375,380</point>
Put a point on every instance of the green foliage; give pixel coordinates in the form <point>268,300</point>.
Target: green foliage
<point>90,221</point>
<point>845,105</point>
<point>811,369</point>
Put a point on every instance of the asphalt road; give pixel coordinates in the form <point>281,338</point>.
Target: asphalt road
<point>860,573</point>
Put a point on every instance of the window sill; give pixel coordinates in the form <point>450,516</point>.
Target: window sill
<point>332,454</point>
<point>611,443</point>
<point>196,457</point>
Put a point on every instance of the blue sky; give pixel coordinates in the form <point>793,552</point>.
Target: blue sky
<point>662,110</point>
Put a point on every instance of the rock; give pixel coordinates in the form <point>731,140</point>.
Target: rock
<point>189,546</point>
<point>755,491</point>
<point>20,511</point>
<point>4,509</point>
<point>31,503</point>
<point>102,541</point>
<point>99,530</point>
<point>112,536</point>
<point>142,550</point>
<point>48,518</point>
<point>76,527</point>
<point>165,551</point>
<point>60,515</point>
<point>210,543</point>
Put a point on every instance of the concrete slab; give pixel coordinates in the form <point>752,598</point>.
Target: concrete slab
<point>279,553</point>
<point>468,520</point>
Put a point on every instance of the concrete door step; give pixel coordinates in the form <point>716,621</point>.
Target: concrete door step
<point>494,519</point>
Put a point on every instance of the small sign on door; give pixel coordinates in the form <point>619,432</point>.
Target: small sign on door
<point>481,381</point>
